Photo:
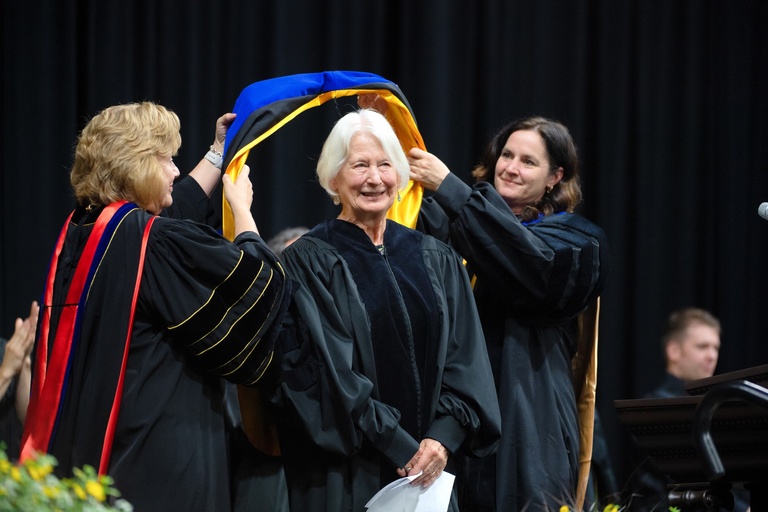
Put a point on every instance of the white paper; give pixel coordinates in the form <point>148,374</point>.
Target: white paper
<point>401,496</point>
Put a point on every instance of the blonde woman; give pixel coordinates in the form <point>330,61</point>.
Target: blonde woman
<point>143,315</point>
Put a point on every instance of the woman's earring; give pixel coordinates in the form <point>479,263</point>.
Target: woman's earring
<point>336,200</point>
<point>398,196</point>
<point>549,189</point>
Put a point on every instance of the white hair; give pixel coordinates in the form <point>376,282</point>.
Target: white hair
<point>336,146</point>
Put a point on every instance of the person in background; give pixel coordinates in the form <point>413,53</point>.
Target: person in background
<point>396,380</point>
<point>15,372</point>
<point>284,238</point>
<point>143,315</point>
<point>537,266</point>
<point>691,346</point>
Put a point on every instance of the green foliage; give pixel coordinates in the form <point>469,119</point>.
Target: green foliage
<point>31,485</point>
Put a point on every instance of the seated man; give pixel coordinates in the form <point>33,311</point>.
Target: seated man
<point>691,345</point>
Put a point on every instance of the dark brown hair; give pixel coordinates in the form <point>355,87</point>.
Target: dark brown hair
<point>561,152</point>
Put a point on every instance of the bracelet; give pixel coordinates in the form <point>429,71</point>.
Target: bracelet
<point>215,157</point>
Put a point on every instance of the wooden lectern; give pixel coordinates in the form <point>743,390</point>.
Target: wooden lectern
<point>709,441</point>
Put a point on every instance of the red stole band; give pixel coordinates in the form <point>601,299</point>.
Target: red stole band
<point>109,436</point>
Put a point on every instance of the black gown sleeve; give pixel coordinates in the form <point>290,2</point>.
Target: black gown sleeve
<point>432,219</point>
<point>190,202</point>
<point>551,269</point>
<point>222,302</point>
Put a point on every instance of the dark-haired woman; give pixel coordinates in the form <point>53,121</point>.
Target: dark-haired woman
<point>537,266</point>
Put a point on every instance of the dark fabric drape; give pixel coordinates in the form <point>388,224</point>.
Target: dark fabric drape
<point>666,100</point>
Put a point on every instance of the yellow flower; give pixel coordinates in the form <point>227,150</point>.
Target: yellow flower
<point>564,508</point>
<point>79,491</point>
<point>96,490</point>
<point>16,474</point>
<point>46,469</point>
<point>611,507</point>
<point>34,473</point>
<point>5,465</point>
<point>51,491</point>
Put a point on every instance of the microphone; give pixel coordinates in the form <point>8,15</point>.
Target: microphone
<point>762,210</point>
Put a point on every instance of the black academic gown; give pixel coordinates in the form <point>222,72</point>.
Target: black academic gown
<point>532,282</point>
<point>207,308</point>
<point>395,355</point>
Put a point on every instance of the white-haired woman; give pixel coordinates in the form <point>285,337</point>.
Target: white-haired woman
<point>399,379</point>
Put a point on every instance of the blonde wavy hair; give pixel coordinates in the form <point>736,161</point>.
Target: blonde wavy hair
<point>116,155</point>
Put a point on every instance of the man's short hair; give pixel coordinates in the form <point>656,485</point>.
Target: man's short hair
<point>679,321</point>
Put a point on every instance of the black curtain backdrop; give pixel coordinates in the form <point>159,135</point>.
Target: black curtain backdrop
<point>666,99</point>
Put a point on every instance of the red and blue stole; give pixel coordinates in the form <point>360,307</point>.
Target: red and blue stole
<point>52,364</point>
